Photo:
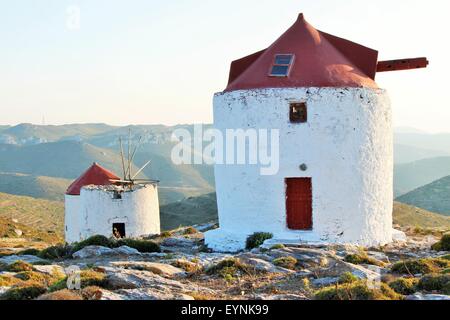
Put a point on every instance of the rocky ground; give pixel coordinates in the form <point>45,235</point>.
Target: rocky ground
<point>184,269</point>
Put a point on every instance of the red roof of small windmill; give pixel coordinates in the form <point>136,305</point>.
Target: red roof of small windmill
<point>96,175</point>
<point>320,60</point>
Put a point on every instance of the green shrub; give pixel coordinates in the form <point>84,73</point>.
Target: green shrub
<point>357,290</point>
<point>88,278</point>
<point>97,240</point>
<point>287,262</point>
<point>257,239</point>
<point>20,266</point>
<point>31,252</point>
<point>140,245</point>
<point>188,266</point>
<point>347,277</point>
<point>435,282</point>
<point>446,257</point>
<point>60,251</point>
<point>190,230</point>
<point>229,268</point>
<point>420,266</point>
<point>277,246</point>
<point>24,291</point>
<point>443,244</point>
<point>362,258</point>
<point>405,286</point>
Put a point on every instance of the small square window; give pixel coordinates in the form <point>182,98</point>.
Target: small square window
<point>298,112</point>
<point>281,65</point>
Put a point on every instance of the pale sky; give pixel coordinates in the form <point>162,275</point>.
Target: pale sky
<point>151,62</point>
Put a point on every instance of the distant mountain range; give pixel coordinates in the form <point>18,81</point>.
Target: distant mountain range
<point>433,197</point>
<point>66,151</point>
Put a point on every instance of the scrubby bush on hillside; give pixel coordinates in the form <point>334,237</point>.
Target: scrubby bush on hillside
<point>287,262</point>
<point>357,291</point>
<point>420,266</point>
<point>257,239</point>
<point>24,291</point>
<point>64,294</point>
<point>404,286</point>
<point>88,278</point>
<point>31,252</point>
<point>362,258</point>
<point>97,240</point>
<point>140,245</point>
<point>435,282</point>
<point>60,251</point>
<point>19,266</point>
<point>347,277</point>
<point>229,268</point>
<point>443,244</point>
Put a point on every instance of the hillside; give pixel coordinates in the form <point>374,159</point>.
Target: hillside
<point>410,176</point>
<point>404,153</point>
<point>65,159</point>
<point>33,186</point>
<point>27,133</point>
<point>409,216</point>
<point>440,141</point>
<point>189,211</point>
<point>433,197</point>
<point>39,214</point>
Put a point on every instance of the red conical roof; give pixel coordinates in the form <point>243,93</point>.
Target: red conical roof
<point>320,60</point>
<point>96,175</point>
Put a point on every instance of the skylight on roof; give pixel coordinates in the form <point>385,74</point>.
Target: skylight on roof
<point>281,65</point>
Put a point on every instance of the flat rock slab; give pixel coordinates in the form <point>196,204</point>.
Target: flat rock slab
<point>50,269</point>
<point>26,258</point>
<point>143,294</point>
<point>165,270</point>
<point>280,297</point>
<point>135,279</point>
<point>421,296</point>
<point>97,251</point>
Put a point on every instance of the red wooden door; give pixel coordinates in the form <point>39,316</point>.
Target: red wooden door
<point>299,203</point>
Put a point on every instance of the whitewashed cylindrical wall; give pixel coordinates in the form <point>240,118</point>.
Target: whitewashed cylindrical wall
<point>347,146</point>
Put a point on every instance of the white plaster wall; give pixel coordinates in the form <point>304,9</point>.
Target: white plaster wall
<point>347,145</point>
<point>72,218</point>
<point>138,209</point>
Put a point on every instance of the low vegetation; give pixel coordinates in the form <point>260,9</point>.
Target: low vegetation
<point>347,277</point>
<point>443,244</point>
<point>404,286</point>
<point>257,239</point>
<point>357,290</point>
<point>19,266</point>
<point>435,282</point>
<point>229,269</point>
<point>287,262</point>
<point>88,277</point>
<point>420,266</point>
<point>362,258</point>
<point>25,291</point>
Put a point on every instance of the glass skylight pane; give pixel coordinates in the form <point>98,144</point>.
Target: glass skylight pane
<point>279,71</point>
<point>283,59</point>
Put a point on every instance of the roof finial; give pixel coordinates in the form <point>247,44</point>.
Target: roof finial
<point>301,17</point>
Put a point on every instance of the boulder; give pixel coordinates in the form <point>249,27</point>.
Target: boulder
<point>125,250</point>
<point>324,282</point>
<point>280,297</point>
<point>179,244</point>
<point>50,269</point>
<point>421,296</point>
<point>143,294</point>
<point>264,266</point>
<point>92,251</point>
<point>165,270</point>
<point>118,278</point>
